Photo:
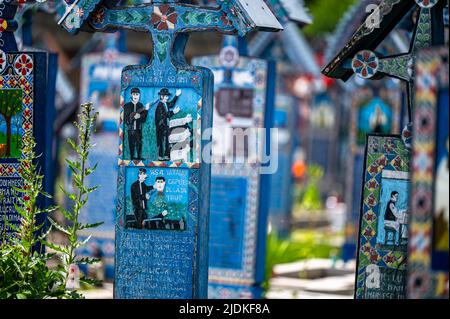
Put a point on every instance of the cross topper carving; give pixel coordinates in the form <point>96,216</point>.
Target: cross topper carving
<point>165,20</point>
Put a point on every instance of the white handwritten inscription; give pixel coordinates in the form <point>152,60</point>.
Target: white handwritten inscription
<point>160,77</point>
<point>151,265</point>
<point>383,283</point>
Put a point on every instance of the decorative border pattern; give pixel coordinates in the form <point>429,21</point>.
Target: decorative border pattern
<point>432,75</point>
<point>18,75</point>
<point>382,152</point>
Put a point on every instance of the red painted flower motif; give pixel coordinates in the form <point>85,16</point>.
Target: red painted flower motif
<point>12,83</point>
<point>372,184</point>
<point>389,259</point>
<point>225,20</point>
<point>3,25</point>
<point>374,256</point>
<point>2,60</point>
<point>397,162</point>
<point>365,249</point>
<point>164,17</point>
<point>99,16</point>
<point>23,64</point>
<point>370,216</point>
<point>426,3</point>
<point>389,146</point>
<point>365,64</point>
<point>371,201</point>
<point>382,161</point>
<point>373,169</point>
<point>368,232</point>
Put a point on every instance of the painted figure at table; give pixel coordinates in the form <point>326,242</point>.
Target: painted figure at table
<point>135,115</point>
<point>164,111</point>
<point>394,218</point>
<point>140,197</point>
<point>441,233</point>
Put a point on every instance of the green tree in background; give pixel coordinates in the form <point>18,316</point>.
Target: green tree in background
<point>326,15</point>
<point>10,105</point>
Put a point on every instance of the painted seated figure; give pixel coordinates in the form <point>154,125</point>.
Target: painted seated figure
<point>394,221</point>
<point>160,213</point>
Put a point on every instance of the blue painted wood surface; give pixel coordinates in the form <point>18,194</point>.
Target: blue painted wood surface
<point>169,258</point>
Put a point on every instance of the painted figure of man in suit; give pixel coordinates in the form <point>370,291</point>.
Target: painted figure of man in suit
<point>164,111</point>
<point>140,196</point>
<point>135,115</point>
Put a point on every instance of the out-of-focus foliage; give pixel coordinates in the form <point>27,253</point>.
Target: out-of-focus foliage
<point>309,196</point>
<point>302,245</point>
<point>326,15</point>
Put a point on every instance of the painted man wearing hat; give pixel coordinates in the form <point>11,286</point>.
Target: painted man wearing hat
<point>164,111</point>
<point>140,196</point>
<point>135,115</point>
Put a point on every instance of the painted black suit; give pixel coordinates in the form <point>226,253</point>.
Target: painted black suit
<point>139,199</point>
<point>134,127</point>
<point>162,117</point>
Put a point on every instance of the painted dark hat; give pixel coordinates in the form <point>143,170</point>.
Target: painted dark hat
<point>164,92</point>
<point>142,171</point>
<point>135,90</point>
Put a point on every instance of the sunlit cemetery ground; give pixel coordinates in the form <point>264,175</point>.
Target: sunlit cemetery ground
<point>326,280</point>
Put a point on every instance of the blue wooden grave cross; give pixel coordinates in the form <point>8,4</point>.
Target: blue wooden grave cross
<point>358,57</point>
<point>24,82</point>
<point>164,181</point>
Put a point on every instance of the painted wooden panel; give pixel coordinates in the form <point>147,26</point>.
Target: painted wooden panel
<point>22,89</point>
<point>384,220</point>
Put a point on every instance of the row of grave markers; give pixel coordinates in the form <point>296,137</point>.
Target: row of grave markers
<point>175,240</point>
<point>403,209</point>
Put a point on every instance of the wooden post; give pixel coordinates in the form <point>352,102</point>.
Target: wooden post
<point>164,181</point>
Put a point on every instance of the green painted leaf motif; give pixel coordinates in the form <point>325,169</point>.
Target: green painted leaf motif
<point>201,18</point>
<point>162,47</point>
<point>185,17</point>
